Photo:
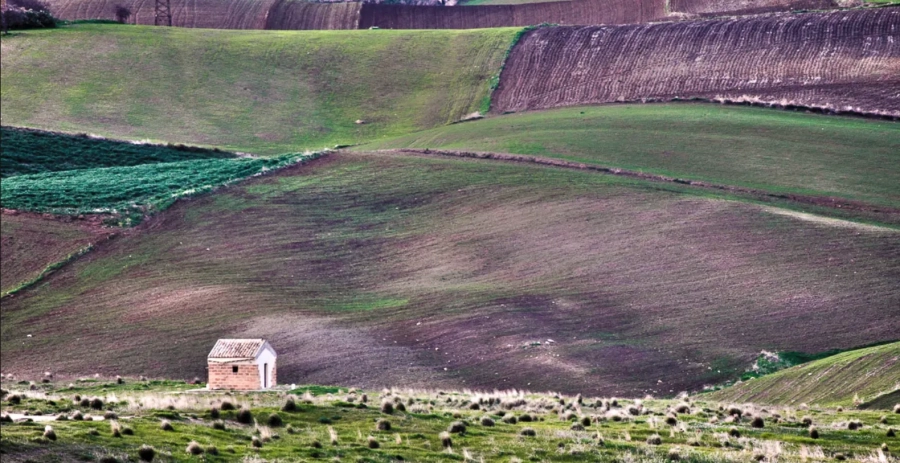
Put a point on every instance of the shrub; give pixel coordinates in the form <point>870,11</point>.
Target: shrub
<point>62,417</point>
<point>757,422</point>
<point>654,439</point>
<point>97,403</point>
<point>383,425</point>
<point>165,425</point>
<point>212,450</point>
<point>807,421</point>
<point>577,427</point>
<point>733,432</point>
<point>4,418</point>
<point>275,420</point>
<point>115,429</point>
<point>219,425</point>
<point>585,421</point>
<point>446,441</point>
<point>108,459</point>
<point>457,427</point>
<point>14,399</point>
<point>120,380</point>
<point>387,407</point>
<point>401,407</point>
<point>373,443</point>
<point>474,406</point>
<point>527,432</point>
<point>853,425</point>
<point>244,416</point>
<point>813,432</point>
<point>891,432</point>
<point>671,420</point>
<point>316,444</point>
<point>487,421</point>
<point>194,448</point>
<point>633,410</point>
<point>110,415</point>
<point>127,431</point>
<point>510,419</point>
<point>673,454</point>
<point>226,405</point>
<point>289,406</point>
<point>146,453</point>
<point>683,408</point>
<point>85,402</point>
<point>214,413</point>
<point>255,442</point>
<point>122,13</point>
<point>734,411</point>
<point>896,408</point>
<point>49,433</point>
<point>526,418</point>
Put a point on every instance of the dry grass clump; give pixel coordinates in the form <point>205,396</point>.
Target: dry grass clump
<point>62,417</point>
<point>487,421</point>
<point>372,442</point>
<point>214,413</point>
<point>49,433</point>
<point>813,432</point>
<point>387,407</point>
<point>757,422</point>
<point>734,432</point>
<point>896,408</point>
<point>510,419</point>
<point>289,405</point>
<point>457,427</point>
<point>527,432</point>
<point>807,421</point>
<point>671,420</point>
<point>194,448</point>
<point>256,442</point>
<point>853,425</point>
<point>682,408</point>
<point>146,453</point>
<point>244,416</point>
<point>226,405</point>
<point>219,425</point>
<point>5,418</point>
<point>96,403</point>
<point>577,427</point>
<point>212,450</point>
<point>446,441</point>
<point>383,425</point>
<point>110,415</point>
<point>165,425</point>
<point>115,429</point>
<point>526,418</point>
<point>891,433</point>
<point>274,420</point>
<point>654,439</point>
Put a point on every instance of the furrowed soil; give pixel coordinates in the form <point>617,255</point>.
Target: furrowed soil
<point>260,91</point>
<point>864,374</point>
<point>304,15</point>
<point>846,61</point>
<point>374,270</point>
<point>31,242</point>
<point>783,153</point>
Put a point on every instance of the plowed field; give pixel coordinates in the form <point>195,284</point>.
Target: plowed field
<point>209,14</point>
<point>577,12</point>
<point>376,270</point>
<point>303,15</point>
<point>710,7</point>
<point>841,61</point>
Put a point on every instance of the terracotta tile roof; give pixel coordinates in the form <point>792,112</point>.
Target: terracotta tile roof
<point>236,348</point>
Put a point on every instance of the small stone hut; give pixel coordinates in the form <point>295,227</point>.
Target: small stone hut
<point>242,364</point>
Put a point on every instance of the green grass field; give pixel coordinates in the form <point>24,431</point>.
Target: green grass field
<point>862,374</point>
<point>768,149</point>
<point>392,268</point>
<point>140,189</point>
<point>35,152</point>
<point>266,92</point>
<point>338,425</point>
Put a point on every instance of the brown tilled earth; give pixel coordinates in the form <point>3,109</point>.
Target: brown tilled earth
<point>303,15</point>
<point>845,61</point>
<point>32,241</point>
<point>387,269</point>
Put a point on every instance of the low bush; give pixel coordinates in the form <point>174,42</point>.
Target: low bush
<point>457,427</point>
<point>383,425</point>
<point>194,448</point>
<point>244,416</point>
<point>528,432</point>
<point>275,420</point>
<point>146,453</point>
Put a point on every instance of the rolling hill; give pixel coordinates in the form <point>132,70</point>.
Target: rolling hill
<point>261,91</point>
<point>397,269</point>
<point>846,61</point>
<point>776,151</point>
<point>864,374</point>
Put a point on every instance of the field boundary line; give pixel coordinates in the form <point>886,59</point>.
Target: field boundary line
<point>822,201</point>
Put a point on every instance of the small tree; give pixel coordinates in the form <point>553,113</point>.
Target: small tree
<point>122,13</point>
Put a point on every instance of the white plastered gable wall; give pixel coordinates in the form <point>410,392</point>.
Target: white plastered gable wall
<point>266,359</point>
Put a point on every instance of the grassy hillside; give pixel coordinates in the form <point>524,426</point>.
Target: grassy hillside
<point>30,243</point>
<point>262,91</point>
<point>441,272</point>
<point>753,147</point>
<point>836,380</point>
<point>34,152</point>
<point>334,424</point>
